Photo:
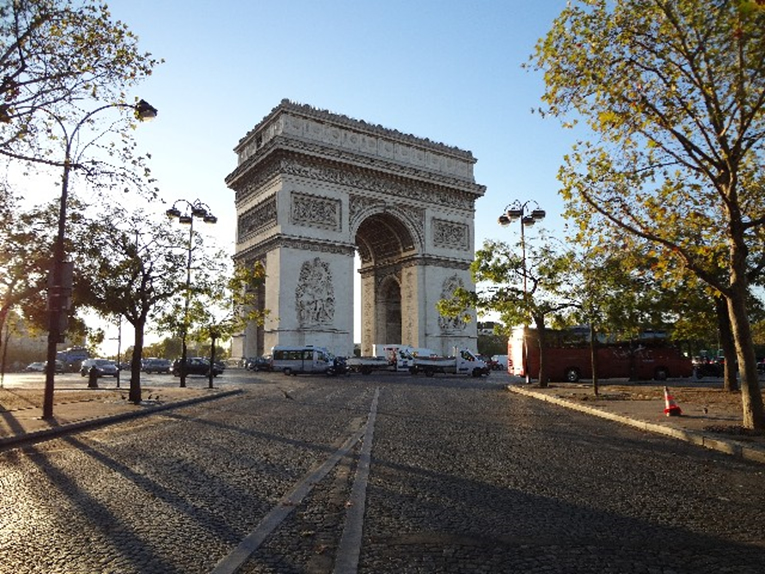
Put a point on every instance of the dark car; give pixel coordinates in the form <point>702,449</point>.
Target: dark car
<point>262,363</point>
<point>104,367</point>
<point>157,366</point>
<point>196,366</point>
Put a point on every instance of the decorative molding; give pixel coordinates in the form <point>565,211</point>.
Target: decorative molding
<point>257,180</point>
<point>450,234</point>
<point>315,295</point>
<point>256,220</point>
<point>315,211</point>
<point>312,161</point>
<point>262,248</point>
<point>360,208</point>
<point>340,130</point>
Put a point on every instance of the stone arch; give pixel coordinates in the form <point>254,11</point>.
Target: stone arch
<point>382,236</point>
<point>388,310</point>
<point>312,189</point>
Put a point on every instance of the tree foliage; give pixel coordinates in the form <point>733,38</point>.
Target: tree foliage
<point>55,54</point>
<point>133,267</point>
<point>523,284</point>
<point>673,94</point>
<point>26,237</point>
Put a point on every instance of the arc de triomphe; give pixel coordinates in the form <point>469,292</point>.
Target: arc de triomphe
<point>312,189</point>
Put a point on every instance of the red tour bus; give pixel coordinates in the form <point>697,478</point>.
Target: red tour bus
<point>568,357</point>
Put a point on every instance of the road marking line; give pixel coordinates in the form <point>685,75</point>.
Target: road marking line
<point>347,558</point>
<point>236,558</point>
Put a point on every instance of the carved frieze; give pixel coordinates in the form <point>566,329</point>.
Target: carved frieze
<point>257,219</point>
<point>450,234</point>
<point>315,211</point>
<point>447,193</point>
<point>315,295</point>
<point>306,123</point>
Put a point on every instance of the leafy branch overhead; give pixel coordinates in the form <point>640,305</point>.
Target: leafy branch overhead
<point>60,61</point>
<point>672,95</point>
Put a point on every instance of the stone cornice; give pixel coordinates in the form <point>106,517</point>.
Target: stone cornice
<point>284,156</point>
<point>261,248</point>
<point>325,116</point>
<point>354,143</point>
<point>416,261</point>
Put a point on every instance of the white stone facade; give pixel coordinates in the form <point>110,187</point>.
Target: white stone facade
<point>312,189</point>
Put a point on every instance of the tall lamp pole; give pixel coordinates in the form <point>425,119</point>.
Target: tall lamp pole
<point>192,210</point>
<point>517,211</point>
<point>60,278</point>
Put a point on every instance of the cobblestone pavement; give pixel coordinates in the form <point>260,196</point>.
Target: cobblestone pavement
<point>446,474</point>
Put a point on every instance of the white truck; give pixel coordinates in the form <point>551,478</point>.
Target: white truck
<point>407,359</point>
<point>396,358</point>
<point>463,362</point>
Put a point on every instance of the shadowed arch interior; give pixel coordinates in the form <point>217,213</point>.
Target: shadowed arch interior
<point>382,237</point>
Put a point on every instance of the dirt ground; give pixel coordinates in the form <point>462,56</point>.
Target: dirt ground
<point>16,399</point>
<point>694,394</point>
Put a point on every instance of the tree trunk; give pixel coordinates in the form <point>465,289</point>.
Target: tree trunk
<point>211,374</point>
<point>730,380</point>
<point>594,359</point>
<point>751,396</point>
<point>135,363</point>
<point>542,341</point>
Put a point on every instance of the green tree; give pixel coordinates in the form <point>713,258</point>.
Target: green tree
<point>54,55</point>
<point>523,284</point>
<point>620,296</point>
<point>225,305</point>
<point>135,265</point>
<point>22,259</point>
<point>674,96</point>
<point>26,237</point>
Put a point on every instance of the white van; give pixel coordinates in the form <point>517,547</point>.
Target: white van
<point>305,359</point>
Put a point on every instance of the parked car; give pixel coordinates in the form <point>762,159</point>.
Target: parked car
<point>262,363</point>
<point>39,367</point>
<point>157,366</point>
<point>196,366</point>
<point>104,367</point>
<point>704,367</point>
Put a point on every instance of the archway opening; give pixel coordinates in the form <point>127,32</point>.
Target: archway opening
<point>389,306</point>
<point>383,242</point>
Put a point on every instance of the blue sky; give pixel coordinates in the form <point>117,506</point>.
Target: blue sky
<point>445,70</point>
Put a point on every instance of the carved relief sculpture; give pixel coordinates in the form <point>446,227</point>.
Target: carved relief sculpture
<point>257,219</point>
<point>315,295</point>
<point>451,324</point>
<point>450,235</point>
<point>315,211</point>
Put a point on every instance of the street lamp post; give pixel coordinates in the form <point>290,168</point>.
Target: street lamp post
<point>193,210</point>
<point>517,211</point>
<point>60,278</point>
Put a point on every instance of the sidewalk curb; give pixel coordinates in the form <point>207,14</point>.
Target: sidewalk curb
<point>55,432</point>
<point>700,439</point>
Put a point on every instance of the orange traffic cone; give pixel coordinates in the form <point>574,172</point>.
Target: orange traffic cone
<point>671,409</point>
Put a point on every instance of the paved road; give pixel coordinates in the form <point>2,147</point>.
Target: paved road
<point>376,474</point>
